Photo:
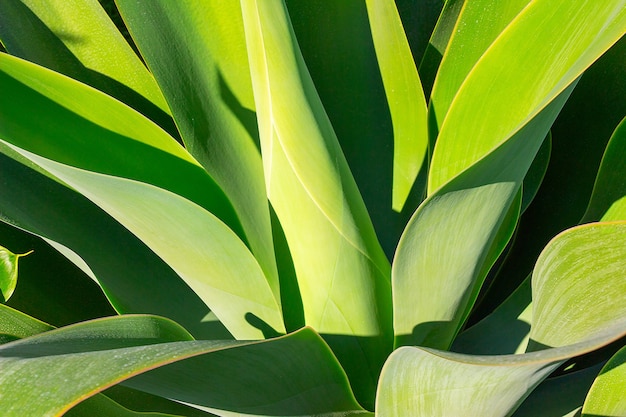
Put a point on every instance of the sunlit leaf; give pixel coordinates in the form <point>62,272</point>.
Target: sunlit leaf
<point>196,51</point>
<point>68,37</point>
<point>606,396</point>
<point>330,236</point>
<point>8,272</point>
<point>200,248</point>
<point>404,95</point>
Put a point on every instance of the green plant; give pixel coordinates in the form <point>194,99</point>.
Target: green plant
<point>263,241</point>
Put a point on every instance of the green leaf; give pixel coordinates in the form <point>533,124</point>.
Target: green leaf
<point>438,43</point>
<point>8,272</point>
<point>457,234</point>
<point>536,172</point>
<point>465,32</point>
<point>331,238</point>
<point>295,372</point>
<point>606,397</point>
<point>570,283</point>
<point>420,381</point>
<point>77,38</point>
<point>206,81</point>
<point>536,73</point>
<point>198,247</point>
<point>504,331</point>
<point>16,325</point>
<point>100,246</point>
<point>104,136</point>
<point>560,396</point>
<point>608,200</point>
<point>102,406</point>
<point>404,96</point>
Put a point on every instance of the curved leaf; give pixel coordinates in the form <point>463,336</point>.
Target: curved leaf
<point>404,95</point>
<point>468,29</point>
<point>421,381</point>
<point>542,60</point>
<point>134,279</point>
<point>104,136</point>
<point>94,355</point>
<point>206,81</point>
<point>608,199</point>
<point>8,272</point>
<point>330,235</point>
<point>606,396</point>
<point>17,325</point>
<point>571,282</point>
<point>68,37</point>
<point>200,248</point>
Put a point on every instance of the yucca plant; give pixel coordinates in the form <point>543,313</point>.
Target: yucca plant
<point>313,208</point>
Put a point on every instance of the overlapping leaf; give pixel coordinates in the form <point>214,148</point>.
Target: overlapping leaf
<point>418,381</point>
<point>68,37</point>
<point>200,248</point>
<point>485,149</point>
<point>196,51</point>
<point>330,236</point>
<point>94,355</point>
<point>404,96</point>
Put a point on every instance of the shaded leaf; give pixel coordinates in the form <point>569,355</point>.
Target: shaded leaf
<point>94,355</point>
<point>420,381</point>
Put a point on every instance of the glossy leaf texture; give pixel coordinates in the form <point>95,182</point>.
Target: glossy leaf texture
<point>606,397</point>
<point>8,272</point>
<point>68,37</point>
<point>330,235</point>
<point>483,194</point>
<point>94,355</point>
<point>405,97</point>
<point>206,80</point>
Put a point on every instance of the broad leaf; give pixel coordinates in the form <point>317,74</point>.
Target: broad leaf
<point>570,282</point>
<point>101,247</point>
<point>421,381</point>
<point>94,355</point>
<point>331,238</point>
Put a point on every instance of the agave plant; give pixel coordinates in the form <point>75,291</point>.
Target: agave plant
<point>311,208</point>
